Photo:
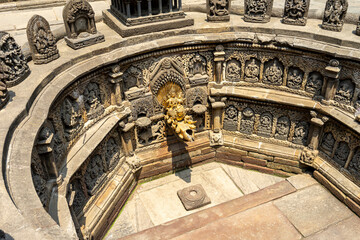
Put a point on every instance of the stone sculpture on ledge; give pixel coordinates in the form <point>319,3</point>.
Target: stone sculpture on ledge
<point>13,65</point>
<point>296,12</point>
<point>4,94</point>
<point>258,10</point>
<point>79,20</point>
<point>334,15</point>
<point>41,40</point>
<point>218,10</point>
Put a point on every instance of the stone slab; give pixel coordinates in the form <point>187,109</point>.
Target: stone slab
<point>263,222</point>
<point>312,209</point>
<point>302,181</point>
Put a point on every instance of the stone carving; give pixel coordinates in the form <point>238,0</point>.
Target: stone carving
<point>233,71</point>
<point>79,198</point>
<point>314,83</point>
<point>345,92</point>
<point>296,12</point>
<point>258,10</point>
<point>4,94</point>
<point>328,142</point>
<point>143,107</point>
<point>196,96</point>
<point>216,138</point>
<point>79,20</point>
<point>41,40</point>
<point>282,128</point>
<point>357,31</point>
<point>231,118</point>
<point>341,153</point>
<point>176,117</point>
<point>92,99</point>
<point>218,10</point>
<point>265,125</point>
<point>198,70</point>
<point>301,133</point>
<point>13,66</point>
<point>133,78</point>
<point>355,161</point>
<point>39,177</point>
<point>112,154</point>
<point>71,116</point>
<point>247,121</point>
<point>295,78</point>
<point>154,132</point>
<point>308,156</point>
<point>94,172</point>
<point>273,72</point>
<point>193,197</point>
<point>334,15</point>
<point>252,71</point>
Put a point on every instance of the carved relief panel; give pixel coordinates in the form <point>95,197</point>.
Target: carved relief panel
<point>231,118</point>
<point>334,15</point>
<point>252,70</point>
<point>273,72</point>
<point>295,77</point>
<point>233,71</point>
<point>314,83</point>
<point>282,128</point>
<point>296,12</point>
<point>345,92</point>
<point>258,10</point>
<point>247,121</point>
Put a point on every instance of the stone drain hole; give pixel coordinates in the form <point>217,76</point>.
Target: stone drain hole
<point>193,197</point>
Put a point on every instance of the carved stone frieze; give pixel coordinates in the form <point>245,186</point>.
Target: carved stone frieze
<point>265,125</point>
<point>295,77</point>
<point>296,12</point>
<point>112,154</point>
<point>231,118</point>
<point>273,73</point>
<point>328,142</point>
<point>345,92</point>
<point>247,121</point>
<point>133,78</point>
<point>301,132</point>
<point>314,83</point>
<point>334,15</point>
<point>197,67</point>
<point>143,107</point>
<point>341,153</point>
<point>233,71</point>
<point>40,178</point>
<point>282,128</point>
<point>216,138</point>
<point>79,20</point>
<point>218,10</point>
<point>153,133</point>
<point>258,10</point>
<point>355,162</point>
<point>71,116</point>
<point>42,42</point>
<point>252,70</point>
<point>94,173</point>
<point>13,65</point>
<point>93,100</point>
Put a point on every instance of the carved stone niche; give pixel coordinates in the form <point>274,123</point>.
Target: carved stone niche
<point>273,72</point>
<point>258,10</point>
<point>282,128</point>
<point>328,143</point>
<point>13,65</point>
<point>301,132</point>
<point>345,92</point>
<point>252,70</point>
<point>218,10</point>
<point>198,70</point>
<point>4,94</point>
<point>247,121</point>
<point>71,115</point>
<point>79,20</point>
<point>265,125</point>
<point>296,12</point>
<point>231,118</point>
<point>41,40</point>
<point>342,153</point>
<point>334,15</point>
<point>314,83</point>
<point>233,71</point>
<point>295,78</point>
<point>93,100</point>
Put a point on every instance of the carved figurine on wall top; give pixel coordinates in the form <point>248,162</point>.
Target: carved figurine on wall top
<point>218,10</point>
<point>41,40</point>
<point>13,65</point>
<point>334,15</point>
<point>296,12</point>
<point>258,10</point>
<point>79,20</point>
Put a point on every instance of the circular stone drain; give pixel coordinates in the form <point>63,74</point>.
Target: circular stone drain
<point>193,197</point>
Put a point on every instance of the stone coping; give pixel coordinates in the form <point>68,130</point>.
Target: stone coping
<point>29,106</point>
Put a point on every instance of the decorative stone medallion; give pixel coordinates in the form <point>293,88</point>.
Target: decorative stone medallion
<point>41,40</point>
<point>79,20</point>
<point>13,65</point>
<point>193,197</point>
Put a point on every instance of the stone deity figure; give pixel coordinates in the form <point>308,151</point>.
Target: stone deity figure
<point>328,142</point>
<point>273,74</point>
<point>294,78</point>
<point>296,12</point>
<point>258,10</point>
<point>218,10</point>
<point>314,83</point>
<point>345,92</point>
<point>252,72</point>
<point>233,71</point>
<point>282,128</point>
<point>334,15</point>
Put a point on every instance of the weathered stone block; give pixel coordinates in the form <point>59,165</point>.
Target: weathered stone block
<point>255,161</point>
<point>193,197</point>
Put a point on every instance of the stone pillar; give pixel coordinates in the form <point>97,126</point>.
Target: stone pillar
<point>170,6</point>
<point>128,13</point>
<point>160,6</point>
<point>219,58</point>
<point>332,72</point>
<point>149,8</point>
<point>180,5</point>
<point>139,7</point>
<point>116,79</point>
<point>127,136</point>
<point>315,130</point>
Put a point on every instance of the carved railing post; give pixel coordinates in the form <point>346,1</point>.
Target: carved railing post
<point>116,79</point>
<point>332,72</point>
<point>219,58</point>
<point>127,136</point>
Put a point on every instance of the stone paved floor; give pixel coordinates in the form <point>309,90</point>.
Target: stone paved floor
<point>245,205</point>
